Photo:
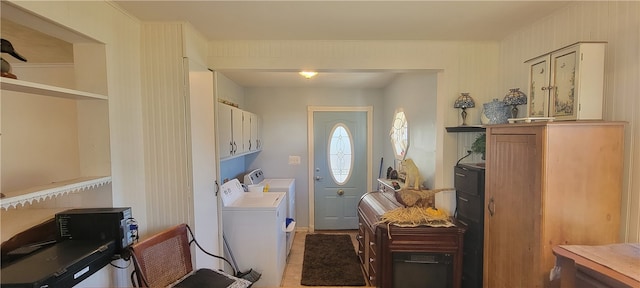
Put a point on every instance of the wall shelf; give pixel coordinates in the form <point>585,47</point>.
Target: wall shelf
<point>42,192</point>
<point>470,128</point>
<point>48,90</point>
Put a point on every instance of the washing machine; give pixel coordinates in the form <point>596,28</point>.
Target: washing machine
<point>286,185</point>
<point>254,224</point>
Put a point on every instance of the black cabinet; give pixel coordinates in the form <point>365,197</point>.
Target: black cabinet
<point>469,184</point>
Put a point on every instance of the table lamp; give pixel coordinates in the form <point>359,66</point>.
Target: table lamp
<point>464,101</point>
<point>514,98</point>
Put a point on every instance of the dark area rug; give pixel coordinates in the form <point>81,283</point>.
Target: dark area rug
<point>330,260</point>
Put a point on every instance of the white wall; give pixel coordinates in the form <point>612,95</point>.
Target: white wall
<point>284,131</point>
<point>228,90</point>
<point>618,23</point>
<point>415,94</point>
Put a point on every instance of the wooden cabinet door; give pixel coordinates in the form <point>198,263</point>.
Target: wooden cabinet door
<point>513,215</point>
<point>538,105</point>
<point>564,65</point>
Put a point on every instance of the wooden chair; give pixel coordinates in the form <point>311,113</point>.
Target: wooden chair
<point>164,260</point>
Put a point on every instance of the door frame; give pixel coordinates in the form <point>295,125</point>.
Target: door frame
<point>310,149</point>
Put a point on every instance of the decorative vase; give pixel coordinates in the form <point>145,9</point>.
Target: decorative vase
<point>495,112</point>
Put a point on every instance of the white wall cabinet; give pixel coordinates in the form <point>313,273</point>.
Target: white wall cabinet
<point>225,131</point>
<point>568,83</point>
<point>237,126</point>
<point>230,131</point>
<point>238,130</point>
<point>256,131</point>
<point>251,131</point>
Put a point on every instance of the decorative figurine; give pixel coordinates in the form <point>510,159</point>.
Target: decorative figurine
<point>7,47</point>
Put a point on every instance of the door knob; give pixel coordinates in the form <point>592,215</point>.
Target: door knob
<point>318,178</point>
<point>340,192</point>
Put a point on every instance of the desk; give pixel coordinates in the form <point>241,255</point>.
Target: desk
<point>64,264</point>
<point>615,265</point>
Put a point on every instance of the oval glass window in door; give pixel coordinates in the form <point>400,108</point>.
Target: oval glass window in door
<point>340,153</point>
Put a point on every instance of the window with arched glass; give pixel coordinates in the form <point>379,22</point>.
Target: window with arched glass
<point>340,153</point>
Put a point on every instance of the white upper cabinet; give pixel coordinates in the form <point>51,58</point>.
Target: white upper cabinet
<point>251,131</point>
<point>238,131</point>
<point>225,131</point>
<point>568,83</point>
<point>55,119</point>
<point>237,125</point>
<point>256,135</point>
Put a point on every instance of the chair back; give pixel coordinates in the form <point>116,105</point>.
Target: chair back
<point>163,258</point>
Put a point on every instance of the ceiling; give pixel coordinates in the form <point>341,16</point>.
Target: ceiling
<point>343,20</point>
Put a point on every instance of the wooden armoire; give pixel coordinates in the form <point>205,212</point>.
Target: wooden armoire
<point>547,184</point>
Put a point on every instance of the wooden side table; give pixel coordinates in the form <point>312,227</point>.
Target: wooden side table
<point>579,270</point>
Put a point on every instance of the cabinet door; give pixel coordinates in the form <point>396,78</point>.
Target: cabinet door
<point>564,65</point>
<point>255,132</point>
<point>236,131</point>
<point>225,140</point>
<point>512,219</point>
<point>247,141</point>
<point>250,131</point>
<point>539,87</point>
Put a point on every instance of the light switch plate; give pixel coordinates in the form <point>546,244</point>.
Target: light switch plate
<point>294,160</point>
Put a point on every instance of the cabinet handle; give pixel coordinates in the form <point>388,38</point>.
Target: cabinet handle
<point>249,144</point>
<point>231,147</point>
<point>463,199</point>
<point>465,223</point>
<point>491,206</point>
<point>461,175</point>
<point>548,88</point>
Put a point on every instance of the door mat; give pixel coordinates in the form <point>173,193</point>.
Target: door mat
<point>330,260</point>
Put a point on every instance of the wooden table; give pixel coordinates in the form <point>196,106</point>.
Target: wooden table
<point>615,265</point>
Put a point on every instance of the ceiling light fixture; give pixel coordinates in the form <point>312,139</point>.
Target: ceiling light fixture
<point>308,74</point>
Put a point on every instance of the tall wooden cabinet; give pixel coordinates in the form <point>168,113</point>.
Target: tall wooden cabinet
<point>548,184</point>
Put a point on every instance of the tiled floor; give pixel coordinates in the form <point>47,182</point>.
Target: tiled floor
<point>293,270</point>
